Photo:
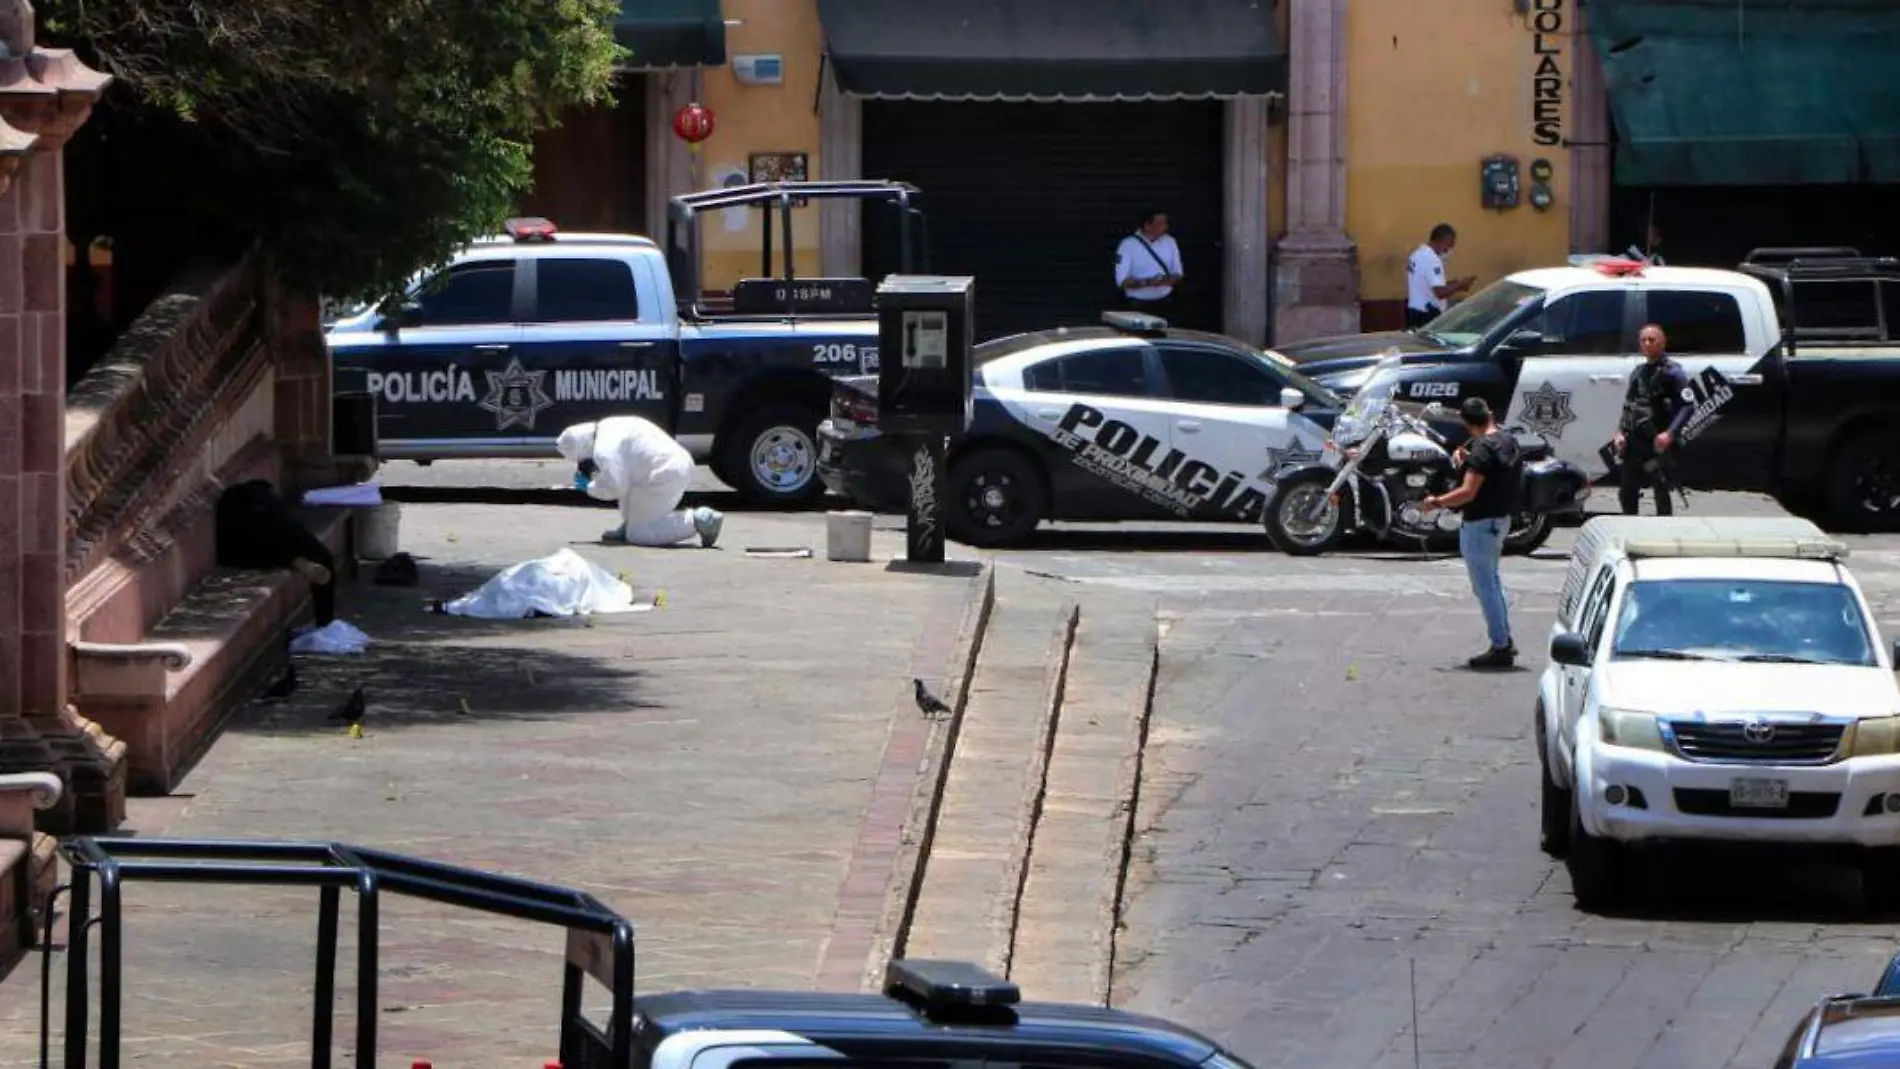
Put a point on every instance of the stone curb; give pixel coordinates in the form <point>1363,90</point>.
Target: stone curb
<point>880,887</point>
<point>1128,790</point>
<point>1035,783</point>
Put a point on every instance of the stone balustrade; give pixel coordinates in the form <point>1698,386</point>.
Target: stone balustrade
<point>28,872</point>
<point>136,423</point>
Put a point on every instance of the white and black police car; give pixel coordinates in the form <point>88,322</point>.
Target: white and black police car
<point>1130,420</point>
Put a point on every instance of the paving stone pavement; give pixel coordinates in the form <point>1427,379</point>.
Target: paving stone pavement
<point>705,769</point>
<point>1329,804</point>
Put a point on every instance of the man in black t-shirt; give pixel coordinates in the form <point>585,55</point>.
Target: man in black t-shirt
<point>1492,466</point>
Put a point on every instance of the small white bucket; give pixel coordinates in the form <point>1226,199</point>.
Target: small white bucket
<point>379,531</point>
<point>848,536</point>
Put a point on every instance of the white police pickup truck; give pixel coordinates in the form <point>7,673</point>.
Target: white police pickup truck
<point>1794,365</point>
<point>526,333</point>
<point>1716,679</point>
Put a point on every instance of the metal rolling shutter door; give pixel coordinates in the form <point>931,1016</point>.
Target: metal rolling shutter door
<point>1033,198</point>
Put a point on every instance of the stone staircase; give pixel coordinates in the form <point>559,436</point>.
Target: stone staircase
<point>225,378</point>
<point>1028,851</point>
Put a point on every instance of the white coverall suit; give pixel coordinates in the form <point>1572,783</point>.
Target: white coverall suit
<point>643,468</point>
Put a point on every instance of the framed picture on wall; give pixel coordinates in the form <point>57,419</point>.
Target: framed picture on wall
<point>781,167</point>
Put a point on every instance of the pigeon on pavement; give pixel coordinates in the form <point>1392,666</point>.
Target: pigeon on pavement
<point>927,703</point>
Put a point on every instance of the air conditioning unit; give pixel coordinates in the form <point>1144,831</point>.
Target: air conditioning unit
<point>759,69</point>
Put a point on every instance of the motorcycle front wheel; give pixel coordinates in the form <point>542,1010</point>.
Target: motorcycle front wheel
<point>1529,531</point>
<point>1301,521</point>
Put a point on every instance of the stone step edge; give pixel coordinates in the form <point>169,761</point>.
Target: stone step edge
<point>1113,875</point>
<point>1035,784</point>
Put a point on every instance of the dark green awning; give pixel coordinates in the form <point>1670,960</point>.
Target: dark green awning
<point>671,33</point>
<point>1752,92</point>
<point>1054,49</point>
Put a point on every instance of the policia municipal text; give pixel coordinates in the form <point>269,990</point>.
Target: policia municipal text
<point>1655,409</point>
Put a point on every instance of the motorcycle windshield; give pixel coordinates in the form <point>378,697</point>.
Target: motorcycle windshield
<point>1370,402</point>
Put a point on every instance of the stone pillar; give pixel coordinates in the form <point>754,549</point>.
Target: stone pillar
<point>1244,302</point>
<point>300,364</point>
<point>45,93</point>
<point>1316,281</point>
<point>840,159</point>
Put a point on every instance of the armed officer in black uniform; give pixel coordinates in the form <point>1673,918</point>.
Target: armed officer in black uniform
<point>1657,405</point>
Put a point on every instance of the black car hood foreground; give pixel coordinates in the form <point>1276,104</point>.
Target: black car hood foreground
<point>1317,350</point>
<point>1326,358</point>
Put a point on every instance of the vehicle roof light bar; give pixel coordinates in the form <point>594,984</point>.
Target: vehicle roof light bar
<point>1135,322</point>
<point>1619,267</point>
<point>937,986</point>
<point>1821,549</point>
<point>530,228</point>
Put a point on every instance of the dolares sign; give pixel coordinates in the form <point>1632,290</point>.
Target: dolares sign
<point>1548,26</point>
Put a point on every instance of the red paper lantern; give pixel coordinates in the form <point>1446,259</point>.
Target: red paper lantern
<point>693,123</point>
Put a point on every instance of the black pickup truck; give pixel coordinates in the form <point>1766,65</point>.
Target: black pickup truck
<point>526,333</point>
<point>1795,358</point>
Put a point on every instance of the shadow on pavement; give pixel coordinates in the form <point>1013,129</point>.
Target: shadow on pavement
<point>1711,884</point>
<point>723,500</point>
<point>425,668</point>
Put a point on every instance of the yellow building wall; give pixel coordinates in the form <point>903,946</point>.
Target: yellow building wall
<point>752,119</point>
<point>1435,86</point>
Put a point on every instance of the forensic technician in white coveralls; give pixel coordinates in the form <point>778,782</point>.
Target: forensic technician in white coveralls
<point>634,462</point>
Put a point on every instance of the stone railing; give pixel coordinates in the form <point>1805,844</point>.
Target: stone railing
<point>21,795</point>
<point>136,421</point>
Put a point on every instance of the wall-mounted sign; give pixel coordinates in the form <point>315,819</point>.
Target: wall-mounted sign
<point>1548,20</point>
<point>781,167</point>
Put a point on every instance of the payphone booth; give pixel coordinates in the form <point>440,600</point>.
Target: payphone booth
<point>925,328</point>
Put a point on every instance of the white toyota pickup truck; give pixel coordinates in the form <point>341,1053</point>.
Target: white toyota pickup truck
<point>1716,679</point>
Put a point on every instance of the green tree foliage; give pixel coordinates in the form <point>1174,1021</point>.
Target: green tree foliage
<point>354,140</point>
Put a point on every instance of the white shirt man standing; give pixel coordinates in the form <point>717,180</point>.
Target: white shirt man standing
<point>1148,265</point>
<point>1427,292</point>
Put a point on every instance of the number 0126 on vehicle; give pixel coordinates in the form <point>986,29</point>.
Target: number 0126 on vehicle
<point>1749,793</point>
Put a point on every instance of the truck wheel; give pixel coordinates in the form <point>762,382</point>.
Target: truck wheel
<point>1554,835</point>
<point>1596,866</point>
<point>1863,485</point>
<point>772,456</point>
<point>1300,521</point>
<point>996,498</point>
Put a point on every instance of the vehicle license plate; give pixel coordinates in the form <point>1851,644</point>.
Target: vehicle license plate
<point>1758,793</point>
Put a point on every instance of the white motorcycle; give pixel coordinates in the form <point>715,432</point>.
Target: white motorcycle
<point>1379,465</point>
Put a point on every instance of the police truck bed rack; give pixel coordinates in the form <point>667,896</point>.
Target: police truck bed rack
<point>1782,269</point>
<point>776,295</point>
<point>599,941</point>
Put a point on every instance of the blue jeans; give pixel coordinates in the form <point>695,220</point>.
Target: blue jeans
<point>1481,543</point>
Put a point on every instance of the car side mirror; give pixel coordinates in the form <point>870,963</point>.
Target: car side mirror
<point>1570,649</point>
<point>1291,398</point>
<point>1525,341</point>
<point>400,313</point>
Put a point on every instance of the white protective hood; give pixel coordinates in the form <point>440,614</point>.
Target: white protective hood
<point>630,453</point>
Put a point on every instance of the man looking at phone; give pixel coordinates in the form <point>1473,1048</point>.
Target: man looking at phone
<point>1427,292</point>
<point>1492,465</point>
<point>1148,265</point>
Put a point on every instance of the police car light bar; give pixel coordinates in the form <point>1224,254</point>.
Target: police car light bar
<point>948,985</point>
<point>1824,549</point>
<point>1618,267</point>
<point>1135,322</point>
<point>532,228</point>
